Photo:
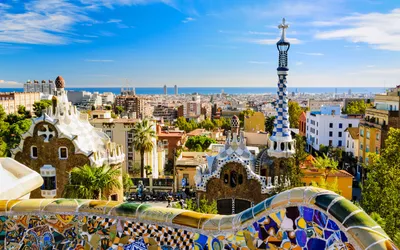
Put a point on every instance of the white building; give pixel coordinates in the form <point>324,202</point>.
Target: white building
<point>352,146</point>
<point>43,87</point>
<point>326,127</point>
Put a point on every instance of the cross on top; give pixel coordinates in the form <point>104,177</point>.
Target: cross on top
<point>47,133</point>
<point>283,25</point>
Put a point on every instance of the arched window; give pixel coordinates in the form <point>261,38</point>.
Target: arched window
<point>282,146</point>
<point>290,146</point>
<point>226,178</point>
<point>240,179</point>
<point>233,179</point>
<point>275,145</point>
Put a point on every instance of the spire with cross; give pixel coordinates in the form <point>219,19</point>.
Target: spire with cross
<point>283,26</point>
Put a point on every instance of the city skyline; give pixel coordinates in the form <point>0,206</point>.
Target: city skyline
<point>151,43</point>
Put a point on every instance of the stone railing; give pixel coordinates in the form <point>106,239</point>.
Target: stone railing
<point>301,218</point>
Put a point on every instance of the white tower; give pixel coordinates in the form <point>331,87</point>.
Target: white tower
<point>281,143</point>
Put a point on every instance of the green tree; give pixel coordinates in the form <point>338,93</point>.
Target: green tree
<point>295,173</point>
<point>207,124</point>
<point>23,112</point>
<point>127,182</point>
<point>108,107</point>
<point>38,107</point>
<point>294,114</point>
<point>203,207</point>
<point>326,164</point>
<point>247,112</point>
<point>329,185</point>
<point>380,190</point>
<point>269,124</point>
<point>356,107</point>
<point>148,170</point>
<point>119,110</point>
<point>3,114</point>
<point>142,141</point>
<point>199,143</point>
<point>88,182</point>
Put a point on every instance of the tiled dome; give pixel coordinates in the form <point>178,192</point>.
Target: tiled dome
<point>60,83</point>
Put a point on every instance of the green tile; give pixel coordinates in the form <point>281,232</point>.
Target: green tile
<point>360,219</point>
<point>342,208</point>
<point>323,201</point>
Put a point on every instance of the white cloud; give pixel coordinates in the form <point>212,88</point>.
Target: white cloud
<point>42,22</point>
<point>370,66</point>
<point>4,6</point>
<point>114,21</point>
<point>188,19</point>
<point>99,60</point>
<point>310,54</point>
<point>274,41</point>
<point>379,30</point>
<point>5,82</point>
<point>299,63</point>
<point>95,4</point>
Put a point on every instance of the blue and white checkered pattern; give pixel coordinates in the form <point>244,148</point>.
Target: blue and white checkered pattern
<point>281,124</point>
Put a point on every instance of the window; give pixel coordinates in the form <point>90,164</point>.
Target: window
<point>317,132</point>
<point>330,133</point>
<point>240,180</point>
<point>317,124</point>
<point>377,150</point>
<point>347,144</point>
<point>340,134</point>
<point>317,141</point>
<point>331,125</point>
<point>63,153</point>
<point>340,125</point>
<point>368,134</point>
<point>361,159</point>
<point>378,137</point>
<point>165,142</point>
<point>352,145</point>
<point>366,160</point>
<point>226,178</point>
<point>362,132</point>
<point>350,125</point>
<point>233,179</point>
<point>367,149</point>
<point>307,127</point>
<point>34,152</point>
<point>339,143</point>
<point>330,143</point>
<point>361,146</point>
<point>109,133</point>
<point>186,177</point>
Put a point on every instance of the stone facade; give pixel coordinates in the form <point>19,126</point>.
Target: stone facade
<point>48,154</point>
<point>62,139</point>
<point>233,183</point>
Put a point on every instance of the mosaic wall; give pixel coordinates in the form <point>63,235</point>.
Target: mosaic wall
<point>302,218</point>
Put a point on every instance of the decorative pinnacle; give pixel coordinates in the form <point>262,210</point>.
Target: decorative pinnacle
<point>283,26</point>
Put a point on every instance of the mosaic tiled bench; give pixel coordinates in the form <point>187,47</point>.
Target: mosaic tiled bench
<point>301,218</point>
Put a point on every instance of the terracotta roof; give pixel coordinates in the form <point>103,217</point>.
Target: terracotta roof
<point>303,116</point>
<point>354,132</point>
<point>196,132</point>
<point>316,172</point>
<point>171,134</point>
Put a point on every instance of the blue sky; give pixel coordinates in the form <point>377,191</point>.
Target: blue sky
<point>230,43</point>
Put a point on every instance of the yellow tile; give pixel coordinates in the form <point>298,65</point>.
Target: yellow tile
<point>213,223</point>
<point>296,195</point>
<point>61,205</point>
<point>31,206</point>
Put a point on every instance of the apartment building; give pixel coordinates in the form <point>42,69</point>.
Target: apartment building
<point>326,127</point>
<point>378,120</point>
<point>119,131</point>
<point>43,87</point>
<point>11,101</point>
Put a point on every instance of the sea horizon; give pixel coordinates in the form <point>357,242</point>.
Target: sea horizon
<point>218,90</point>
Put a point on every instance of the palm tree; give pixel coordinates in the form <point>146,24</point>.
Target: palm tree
<point>88,182</point>
<point>143,135</point>
<point>326,164</point>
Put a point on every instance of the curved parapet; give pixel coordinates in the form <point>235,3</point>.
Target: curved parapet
<point>301,218</point>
